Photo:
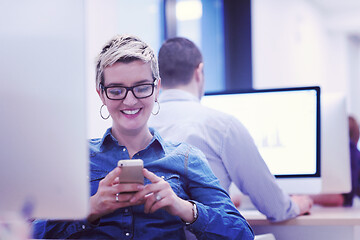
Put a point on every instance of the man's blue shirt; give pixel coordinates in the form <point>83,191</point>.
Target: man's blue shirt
<point>184,168</point>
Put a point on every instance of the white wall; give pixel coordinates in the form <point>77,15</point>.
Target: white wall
<point>288,44</point>
<point>100,27</point>
<point>296,44</point>
<point>354,76</point>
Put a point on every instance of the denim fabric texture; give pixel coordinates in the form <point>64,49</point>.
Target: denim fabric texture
<point>190,177</point>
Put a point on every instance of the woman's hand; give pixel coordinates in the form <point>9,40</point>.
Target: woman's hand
<point>159,194</point>
<point>112,195</point>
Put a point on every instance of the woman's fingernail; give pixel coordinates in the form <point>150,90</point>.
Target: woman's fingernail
<point>140,187</point>
<point>132,199</point>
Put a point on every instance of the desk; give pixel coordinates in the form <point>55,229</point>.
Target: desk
<point>323,223</point>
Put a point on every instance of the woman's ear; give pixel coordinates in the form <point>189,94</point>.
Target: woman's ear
<point>101,95</point>
<point>157,89</point>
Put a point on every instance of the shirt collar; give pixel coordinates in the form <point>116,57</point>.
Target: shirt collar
<point>157,139</point>
<point>176,95</point>
<point>108,138</point>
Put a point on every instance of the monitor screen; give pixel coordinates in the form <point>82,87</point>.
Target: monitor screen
<point>285,126</point>
<point>43,150</point>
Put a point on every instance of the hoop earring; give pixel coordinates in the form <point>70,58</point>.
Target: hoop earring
<point>158,110</point>
<point>101,115</point>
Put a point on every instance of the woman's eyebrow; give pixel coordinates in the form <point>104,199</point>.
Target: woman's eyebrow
<point>136,83</point>
<point>143,81</point>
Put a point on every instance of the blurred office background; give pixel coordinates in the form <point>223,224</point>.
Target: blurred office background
<point>246,44</point>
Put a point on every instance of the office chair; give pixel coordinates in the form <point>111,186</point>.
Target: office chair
<point>268,236</point>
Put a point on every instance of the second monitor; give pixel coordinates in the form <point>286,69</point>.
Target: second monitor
<point>285,126</point>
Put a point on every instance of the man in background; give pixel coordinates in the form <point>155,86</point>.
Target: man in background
<point>354,134</point>
<point>226,143</point>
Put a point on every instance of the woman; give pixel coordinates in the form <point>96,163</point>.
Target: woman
<point>180,189</point>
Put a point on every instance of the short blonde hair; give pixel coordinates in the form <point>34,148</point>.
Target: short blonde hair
<point>124,48</point>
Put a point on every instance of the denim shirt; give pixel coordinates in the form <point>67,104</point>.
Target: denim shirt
<point>184,168</point>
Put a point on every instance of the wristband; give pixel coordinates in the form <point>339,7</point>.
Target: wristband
<point>195,213</point>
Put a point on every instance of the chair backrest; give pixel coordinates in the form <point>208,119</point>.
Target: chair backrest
<point>268,236</point>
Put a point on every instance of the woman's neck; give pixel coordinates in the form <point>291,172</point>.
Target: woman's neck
<point>133,141</point>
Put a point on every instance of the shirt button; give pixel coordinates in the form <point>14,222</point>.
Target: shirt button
<point>124,149</point>
<point>83,227</point>
<point>126,210</point>
<point>127,234</point>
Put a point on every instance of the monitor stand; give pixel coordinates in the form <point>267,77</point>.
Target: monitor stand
<point>302,185</point>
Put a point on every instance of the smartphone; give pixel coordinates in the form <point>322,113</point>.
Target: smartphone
<point>131,171</point>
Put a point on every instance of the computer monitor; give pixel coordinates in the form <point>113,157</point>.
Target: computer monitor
<point>335,152</point>
<point>285,126</point>
<point>44,155</point>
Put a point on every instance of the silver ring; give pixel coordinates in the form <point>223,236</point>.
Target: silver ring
<point>158,197</point>
<point>117,197</point>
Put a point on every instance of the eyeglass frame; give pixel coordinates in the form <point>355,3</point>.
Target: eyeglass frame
<point>153,85</point>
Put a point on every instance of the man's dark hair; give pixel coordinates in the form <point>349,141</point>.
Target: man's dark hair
<point>178,58</point>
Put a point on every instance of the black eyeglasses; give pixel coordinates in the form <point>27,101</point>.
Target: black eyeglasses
<point>119,93</point>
